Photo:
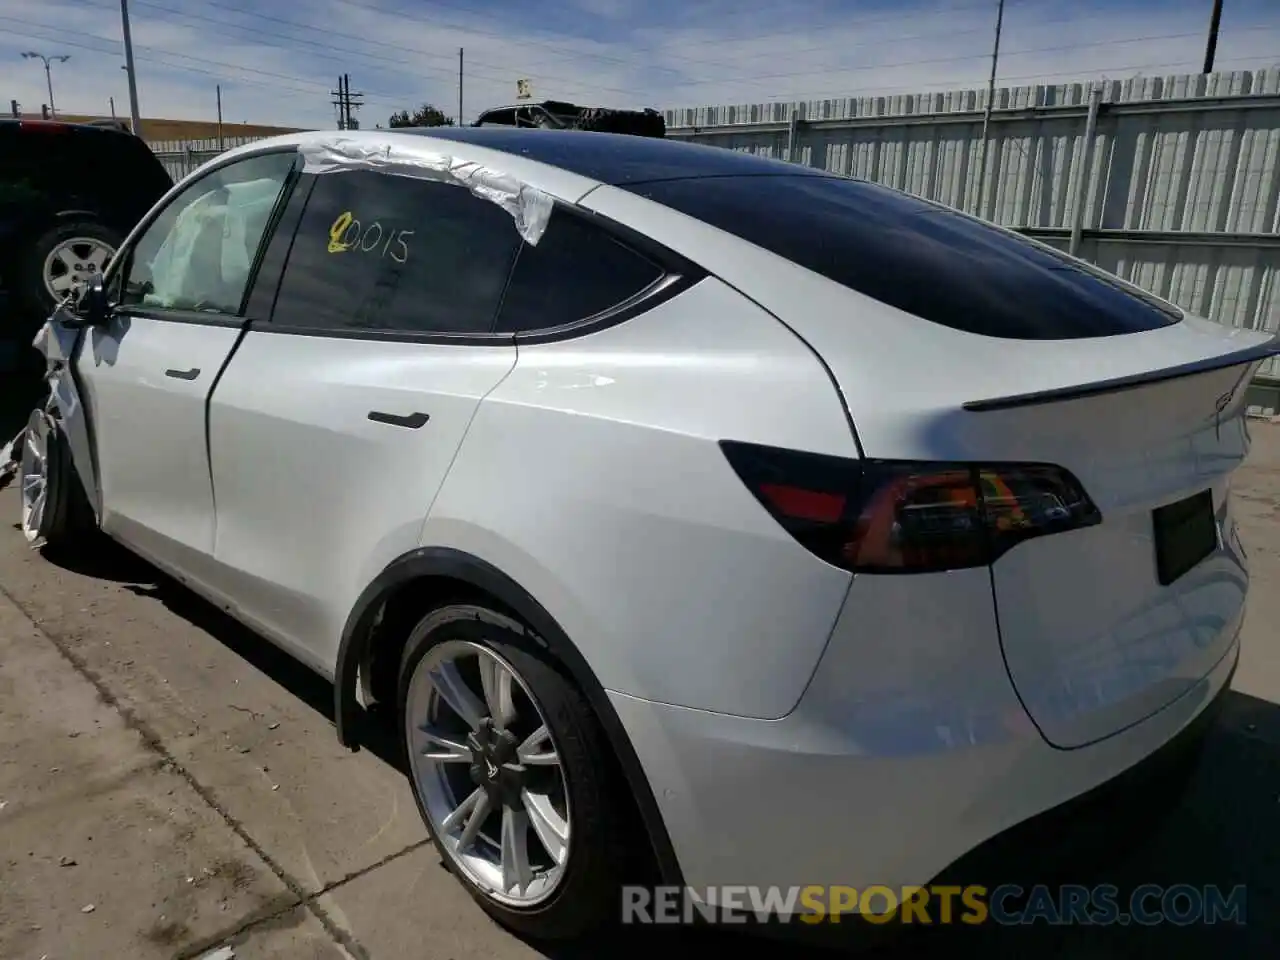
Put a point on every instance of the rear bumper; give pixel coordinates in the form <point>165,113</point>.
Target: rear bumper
<point>1082,831</point>
<point>901,759</point>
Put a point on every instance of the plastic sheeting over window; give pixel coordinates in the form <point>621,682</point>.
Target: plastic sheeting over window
<point>528,206</point>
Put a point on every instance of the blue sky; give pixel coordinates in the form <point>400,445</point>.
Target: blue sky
<point>277,61</point>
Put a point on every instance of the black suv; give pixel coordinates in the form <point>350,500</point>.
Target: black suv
<point>69,194</point>
<point>558,115</point>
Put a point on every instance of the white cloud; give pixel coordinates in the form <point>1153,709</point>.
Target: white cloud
<point>275,69</point>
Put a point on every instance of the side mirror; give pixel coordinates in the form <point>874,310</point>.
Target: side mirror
<point>91,307</point>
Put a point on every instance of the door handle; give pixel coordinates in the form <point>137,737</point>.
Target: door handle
<point>183,374</point>
<point>412,420</point>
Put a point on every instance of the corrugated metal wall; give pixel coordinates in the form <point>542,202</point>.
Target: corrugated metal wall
<point>1180,192</point>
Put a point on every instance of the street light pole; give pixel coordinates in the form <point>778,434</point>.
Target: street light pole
<point>48,73</point>
<point>135,119</point>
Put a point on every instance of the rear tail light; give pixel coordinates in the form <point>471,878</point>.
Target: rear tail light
<point>893,516</point>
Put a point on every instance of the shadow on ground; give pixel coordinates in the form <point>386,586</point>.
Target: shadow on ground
<point>1223,832</point>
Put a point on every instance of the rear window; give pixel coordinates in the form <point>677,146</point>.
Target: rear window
<point>916,256</point>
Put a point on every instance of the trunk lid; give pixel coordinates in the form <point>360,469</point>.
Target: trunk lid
<point>1102,626</point>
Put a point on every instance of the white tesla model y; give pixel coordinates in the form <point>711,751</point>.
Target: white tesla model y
<point>655,489</point>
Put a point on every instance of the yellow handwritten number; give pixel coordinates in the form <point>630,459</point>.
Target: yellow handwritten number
<point>337,230</point>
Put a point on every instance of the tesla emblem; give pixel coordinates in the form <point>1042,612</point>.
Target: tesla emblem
<point>490,769</point>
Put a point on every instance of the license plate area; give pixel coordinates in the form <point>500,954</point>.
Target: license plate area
<point>1185,533</point>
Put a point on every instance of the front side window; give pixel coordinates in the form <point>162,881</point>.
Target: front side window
<point>378,252</point>
<point>198,253</point>
<point>577,271</point>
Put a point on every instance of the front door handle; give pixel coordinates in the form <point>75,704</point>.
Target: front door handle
<point>412,420</point>
<point>183,374</point>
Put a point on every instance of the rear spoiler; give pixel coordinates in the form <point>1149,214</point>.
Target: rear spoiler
<point>1253,354</point>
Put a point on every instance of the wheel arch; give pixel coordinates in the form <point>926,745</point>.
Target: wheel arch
<point>355,655</point>
<point>78,214</point>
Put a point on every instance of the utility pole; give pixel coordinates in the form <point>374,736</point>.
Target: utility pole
<point>354,102</point>
<point>346,102</point>
<point>112,101</point>
<point>340,102</point>
<point>986,114</point>
<point>460,86</point>
<point>221,145</point>
<point>1211,46</point>
<point>48,73</point>
<point>135,118</point>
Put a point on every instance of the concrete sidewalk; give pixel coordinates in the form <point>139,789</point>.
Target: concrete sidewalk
<point>110,847</point>
<point>136,821</point>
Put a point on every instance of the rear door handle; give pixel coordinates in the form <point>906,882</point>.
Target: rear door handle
<point>412,420</point>
<point>183,374</point>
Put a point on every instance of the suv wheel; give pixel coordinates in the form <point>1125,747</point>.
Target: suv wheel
<point>509,772</point>
<point>63,259</point>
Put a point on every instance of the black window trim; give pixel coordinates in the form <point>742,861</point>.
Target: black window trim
<point>197,316</point>
<point>678,275</point>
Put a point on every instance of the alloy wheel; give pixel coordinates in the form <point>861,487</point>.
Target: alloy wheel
<point>35,482</point>
<point>488,773</point>
<point>72,262</point>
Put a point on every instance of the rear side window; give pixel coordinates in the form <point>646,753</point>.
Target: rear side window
<point>918,257</point>
<point>380,252</point>
<point>576,271</point>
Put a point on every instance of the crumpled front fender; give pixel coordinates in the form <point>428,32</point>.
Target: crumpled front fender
<point>58,343</point>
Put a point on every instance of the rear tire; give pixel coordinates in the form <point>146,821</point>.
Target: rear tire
<point>458,655</point>
<point>55,510</point>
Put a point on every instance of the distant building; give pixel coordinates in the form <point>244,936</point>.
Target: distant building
<point>157,129</point>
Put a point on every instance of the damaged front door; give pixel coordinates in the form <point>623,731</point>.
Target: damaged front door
<point>147,373</point>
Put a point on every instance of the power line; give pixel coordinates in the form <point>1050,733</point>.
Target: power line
<point>664,45</point>
<point>832,68</point>
<point>418,52</point>
<point>1077,74</point>
<point>751,80</point>
<point>306,85</point>
<point>347,52</point>
<point>881,41</point>
<point>312,86</point>
<point>275,87</point>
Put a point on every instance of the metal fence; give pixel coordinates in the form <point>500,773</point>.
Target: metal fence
<point>180,157</point>
<point>1170,182</point>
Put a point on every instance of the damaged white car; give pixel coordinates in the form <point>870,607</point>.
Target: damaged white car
<point>781,528</point>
